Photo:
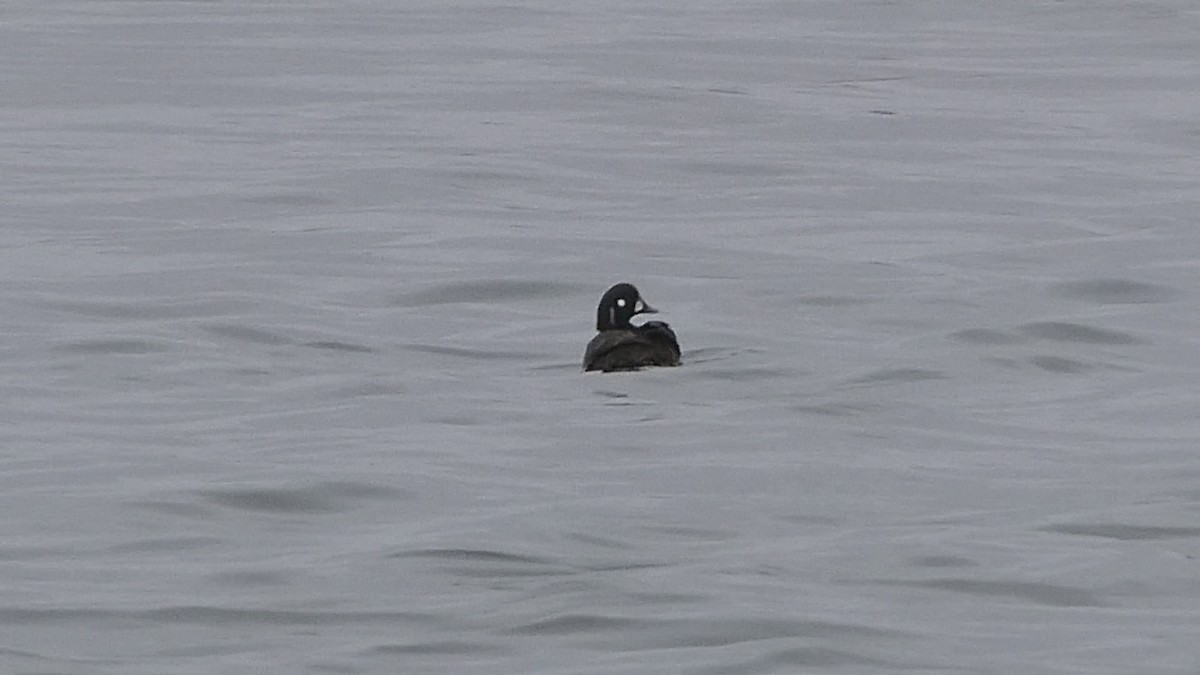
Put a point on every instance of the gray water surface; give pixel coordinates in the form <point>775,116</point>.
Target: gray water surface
<point>295,296</point>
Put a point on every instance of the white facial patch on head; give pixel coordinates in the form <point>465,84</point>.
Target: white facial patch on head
<point>639,306</point>
<point>620,302</point>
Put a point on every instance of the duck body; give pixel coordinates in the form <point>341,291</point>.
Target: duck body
<point>651,344</point>
<point>620,345</point>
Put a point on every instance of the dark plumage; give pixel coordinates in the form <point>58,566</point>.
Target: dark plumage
<point>621,345</point>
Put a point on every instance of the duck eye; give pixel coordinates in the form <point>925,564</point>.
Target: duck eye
<point>620,302</point>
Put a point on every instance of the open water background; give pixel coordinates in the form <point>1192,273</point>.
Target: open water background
<point>294,296</point>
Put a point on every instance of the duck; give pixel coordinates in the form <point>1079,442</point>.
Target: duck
<point>620,345</point>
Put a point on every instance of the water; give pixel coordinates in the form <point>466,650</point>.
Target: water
<point>295,296</point>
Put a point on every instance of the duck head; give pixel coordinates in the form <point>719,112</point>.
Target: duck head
<point>620,304</point>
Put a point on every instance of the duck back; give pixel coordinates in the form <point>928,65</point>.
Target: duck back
<point>651,344</point>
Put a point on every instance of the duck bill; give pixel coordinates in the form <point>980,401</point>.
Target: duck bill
<point>642,308</point>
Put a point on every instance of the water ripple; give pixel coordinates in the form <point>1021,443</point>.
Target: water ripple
<point>484,290</point>
<point>113,346</point>
<point>206,615</point>
<point>789,659</point>
<point>477,354</point>
<point>247,334</point>
<point>985,336</point>
<point>1116,291</point>
<point>641,634</point>
<point>1123,532</point>
<point>890,375</point>
<point>472,555</point>
<point>1059,364</point>
<point>440,648</point>
<point>1052,595</point>
<point>323,498</point>
<point>337,345</point>
<point>1062,331</point>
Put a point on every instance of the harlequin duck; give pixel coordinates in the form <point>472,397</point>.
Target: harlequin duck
<point>622,346</point>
